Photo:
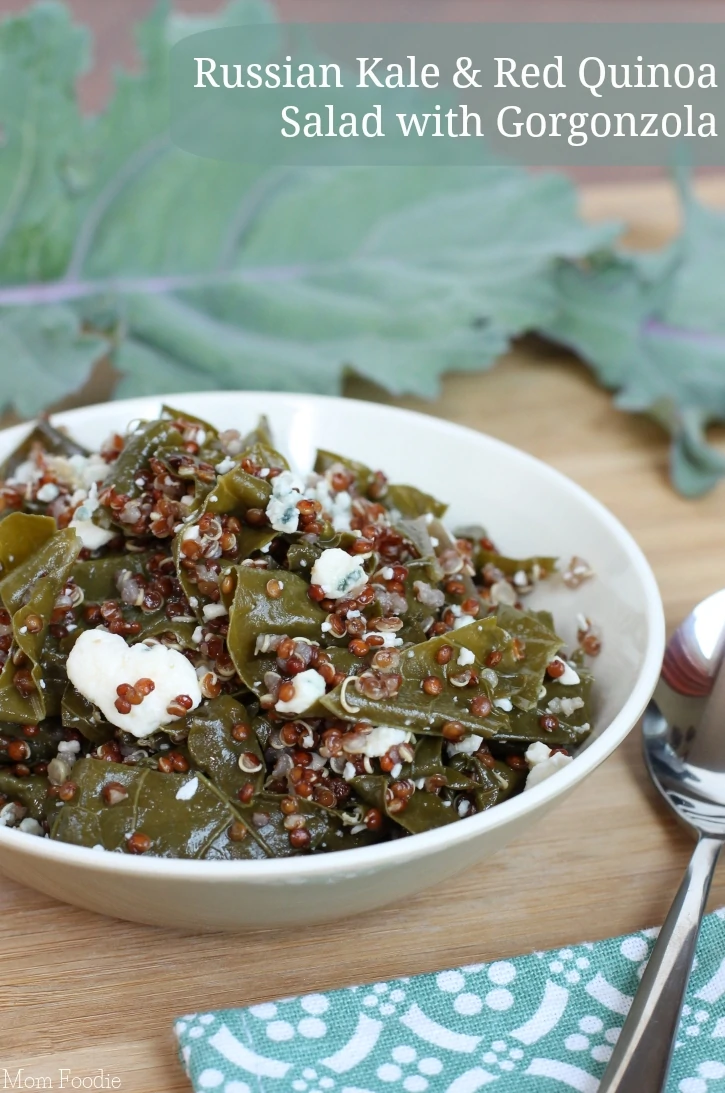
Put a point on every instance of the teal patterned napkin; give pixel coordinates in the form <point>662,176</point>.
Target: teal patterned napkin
<point>544,1022</point>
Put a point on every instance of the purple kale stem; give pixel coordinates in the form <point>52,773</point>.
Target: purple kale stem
<point>683,334</point>
<point>57,292</point>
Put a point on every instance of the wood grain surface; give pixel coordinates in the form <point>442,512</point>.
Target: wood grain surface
<point>84,992</point>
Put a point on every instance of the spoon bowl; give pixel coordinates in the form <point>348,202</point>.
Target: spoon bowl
<point>684,725</point>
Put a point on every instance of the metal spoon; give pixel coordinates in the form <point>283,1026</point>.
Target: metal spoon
<point>684,748</point>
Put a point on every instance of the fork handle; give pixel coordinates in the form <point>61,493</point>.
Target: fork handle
<point>641,1057</point>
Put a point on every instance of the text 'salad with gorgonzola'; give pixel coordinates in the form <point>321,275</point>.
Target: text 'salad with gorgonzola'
<point>205,655</point>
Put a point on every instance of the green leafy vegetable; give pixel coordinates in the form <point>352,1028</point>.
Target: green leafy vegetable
<point>412,503</point>
<point>97,576</point>
<point>652,328</point>
<point>153,438</point>
<point>50,352</point>
<point>422,712</point>
<point>424,812</point>
<point>419,271</point>
<point>29,792</point>
<point>109,246</point>
<point>511,566</point>
<point>214,749</point>
<point>21,535</point>
<point>41,746</point>
<point>29,593</point>
<point>50,440</point>
<point>236,492</point>
<point>183,815</point>
<point>362,475</point>
<point>78,713</point>
<point>254,614</point>
<point>111,243</point>
<point>529,646</point>
<point>193,825</point>
<point>309,722</point>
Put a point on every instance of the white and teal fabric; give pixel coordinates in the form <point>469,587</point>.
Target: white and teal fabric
<point>543,1023</point>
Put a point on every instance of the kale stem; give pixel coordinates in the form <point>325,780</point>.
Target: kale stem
<point>57,292</point>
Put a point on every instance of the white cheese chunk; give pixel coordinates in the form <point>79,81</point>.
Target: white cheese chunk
<point>381,739</point>
<point>341,510</point>
<point>282,510</point>
<point>48,492</point>
<point>288,489</point>
<point>213,611</point>
<point>308,686</point>
<point>466,656</point>
<point>68,747</point>
<point>565,706</point>
<point>26,473</point>
<point>536,753</point>
<point>467,746</point>
<point>68,751</point>
<point>543,770</point>
<point>337,505</point>
<point>187,791</point>
<point>91,535</point>
<point>99,662</point>
<point>11,813</point>
<point>90,468</point>
<point>570,677</point>
<point>463,620</point>
<point>79,472</point>
<point>338,573</point>
<point>227,464</point>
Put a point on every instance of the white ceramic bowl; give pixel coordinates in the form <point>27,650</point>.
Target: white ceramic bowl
<point>528,508</point>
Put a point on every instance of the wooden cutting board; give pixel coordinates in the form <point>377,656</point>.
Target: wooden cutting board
<point>83,992</point>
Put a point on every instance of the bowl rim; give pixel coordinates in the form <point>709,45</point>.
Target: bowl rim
<point>386,854</point>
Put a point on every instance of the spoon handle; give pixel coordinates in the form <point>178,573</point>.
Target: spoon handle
<point>641,1058</point>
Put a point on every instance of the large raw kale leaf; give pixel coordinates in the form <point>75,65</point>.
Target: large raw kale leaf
<point>192,274</point>
<point>652,327</point>
<point>198,274</point>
